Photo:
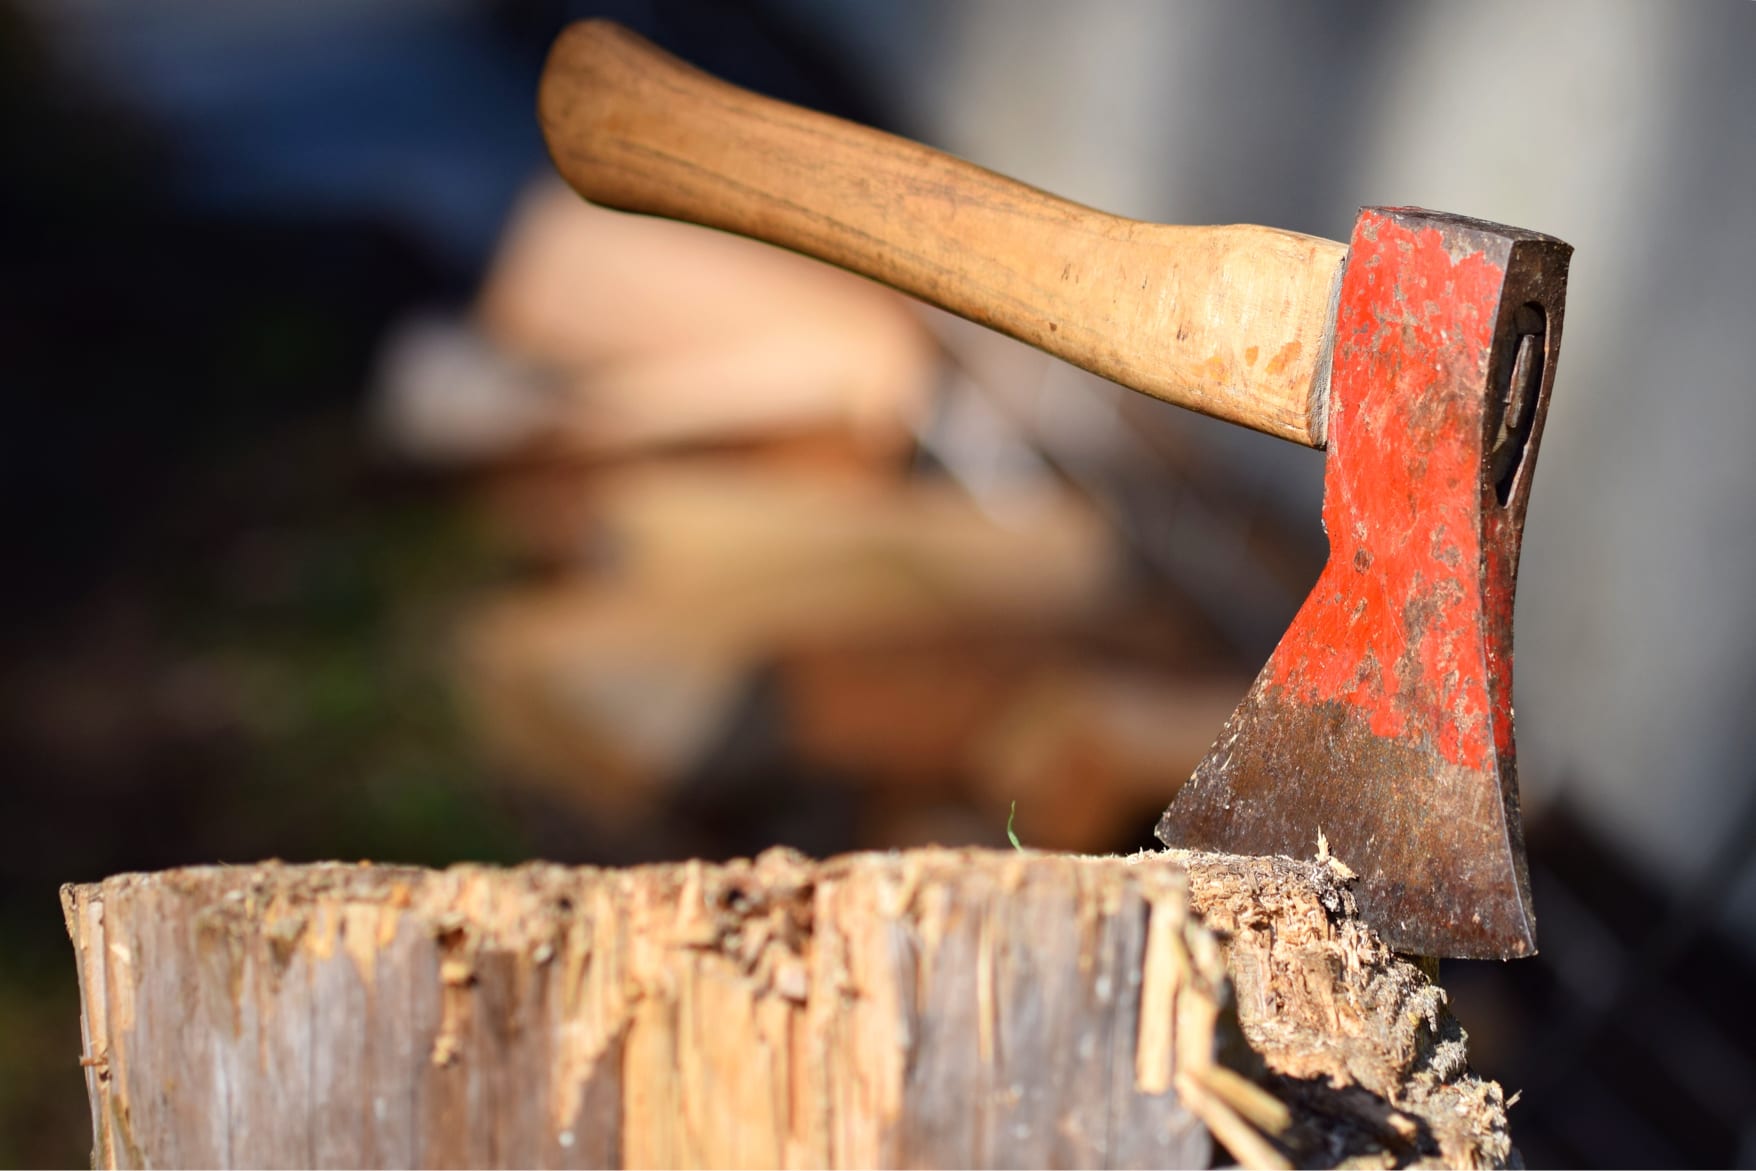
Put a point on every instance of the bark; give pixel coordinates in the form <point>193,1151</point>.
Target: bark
<point>936,1007</point>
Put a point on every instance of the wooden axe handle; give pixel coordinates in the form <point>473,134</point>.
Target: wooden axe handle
<point>1231,321</point>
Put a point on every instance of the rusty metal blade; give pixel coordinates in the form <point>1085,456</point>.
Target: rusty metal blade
<point>1383,719</point>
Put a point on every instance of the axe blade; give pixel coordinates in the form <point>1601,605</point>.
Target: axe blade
<point>1383,720</point>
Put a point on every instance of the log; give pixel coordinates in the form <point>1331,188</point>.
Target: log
<point>935,1007</point>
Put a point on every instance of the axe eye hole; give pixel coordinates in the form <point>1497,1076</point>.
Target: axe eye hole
<point>1516,403</point>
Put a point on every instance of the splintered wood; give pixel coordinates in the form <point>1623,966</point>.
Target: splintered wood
<point>937,1007</point>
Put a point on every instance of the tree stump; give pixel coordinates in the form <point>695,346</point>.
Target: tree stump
<point>936,1007</point>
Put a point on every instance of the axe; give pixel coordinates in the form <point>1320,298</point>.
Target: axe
<point>1420,356</point>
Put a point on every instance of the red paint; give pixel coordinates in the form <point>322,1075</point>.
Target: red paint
<point>1384,717</point>
<point>1413,612</point>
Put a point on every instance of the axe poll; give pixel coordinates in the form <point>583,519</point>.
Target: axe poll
<point>1420,356</point>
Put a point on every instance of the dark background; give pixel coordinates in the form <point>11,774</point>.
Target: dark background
<point>224,605</point>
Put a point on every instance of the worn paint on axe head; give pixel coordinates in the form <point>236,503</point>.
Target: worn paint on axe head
<point>1383,719</point>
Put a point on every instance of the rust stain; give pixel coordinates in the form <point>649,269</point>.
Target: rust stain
<point>1251,354</point>
<point>1283,357</point>
<point>320,928</point>
<point>361,926</point>
<point>457,978</point>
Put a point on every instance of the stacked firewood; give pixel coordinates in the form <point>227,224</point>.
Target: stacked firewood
<point>734,472</point>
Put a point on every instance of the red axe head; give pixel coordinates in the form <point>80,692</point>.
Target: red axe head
<point>1384,718</point>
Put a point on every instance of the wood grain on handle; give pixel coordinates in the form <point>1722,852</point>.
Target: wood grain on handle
<point>1230,321</point>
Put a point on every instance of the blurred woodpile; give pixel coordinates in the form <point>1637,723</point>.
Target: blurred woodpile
<point>715,460</point>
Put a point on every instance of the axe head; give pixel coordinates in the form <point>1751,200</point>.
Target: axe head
<point>1383,720</point>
